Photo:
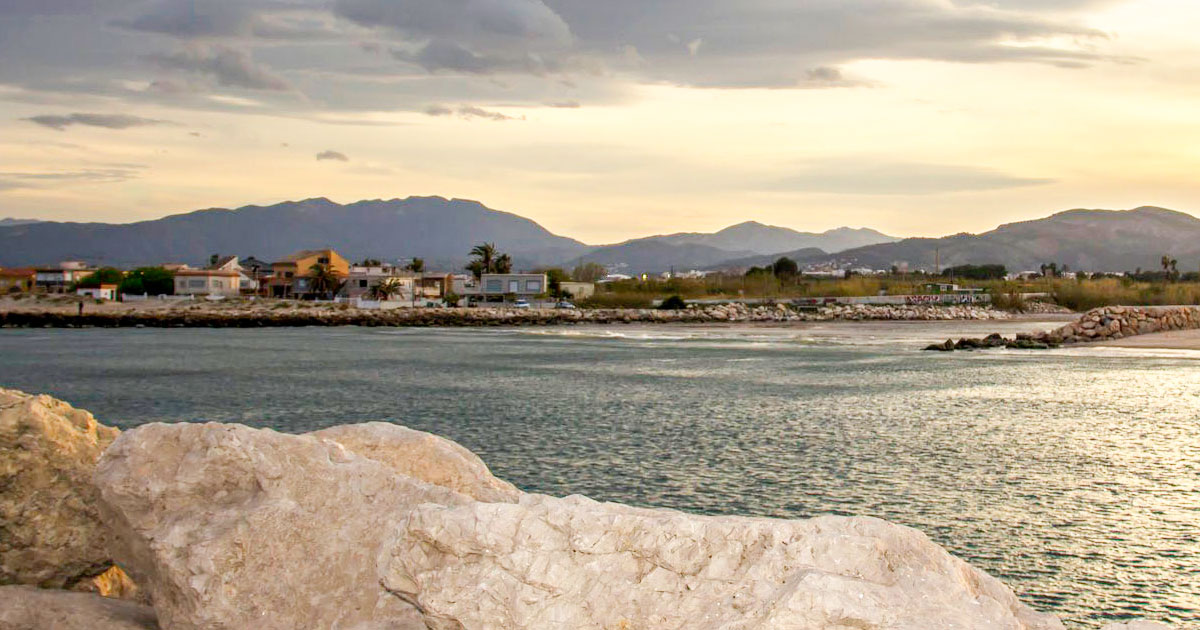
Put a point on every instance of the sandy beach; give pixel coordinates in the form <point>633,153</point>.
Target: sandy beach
<point>1170,340</point>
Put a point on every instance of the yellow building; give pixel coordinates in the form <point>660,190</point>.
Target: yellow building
<point>17,280</point>
<point>292,276</point>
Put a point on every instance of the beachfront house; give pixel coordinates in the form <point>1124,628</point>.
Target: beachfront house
<point>102,292</point>
<point>17,280</point>
<point>222,282</point>
<point>59,279</point>
<point>500,287</point>
<point>247,281</point>
<point>362,282</point>
<point>578,290</point>
<point>292,276</point>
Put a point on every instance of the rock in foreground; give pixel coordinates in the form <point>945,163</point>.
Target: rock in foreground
<point>232,527</point>
<point>28,608</point>
<point>50,530</point>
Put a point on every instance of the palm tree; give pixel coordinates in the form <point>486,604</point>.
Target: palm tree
<point>417,265</point>
<point>386,289</point>
<point>323,280</point>
<point>485,255</point>
<point>503,264</point>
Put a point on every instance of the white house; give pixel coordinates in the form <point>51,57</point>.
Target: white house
<point>102,292</point>
<point>208,282</point>
<point>496,287</point>
<point>362,280</point>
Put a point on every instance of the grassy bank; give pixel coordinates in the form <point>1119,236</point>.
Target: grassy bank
<point>1074,294</point>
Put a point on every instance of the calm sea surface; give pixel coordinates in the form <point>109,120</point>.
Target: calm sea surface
<point>1073,475</point>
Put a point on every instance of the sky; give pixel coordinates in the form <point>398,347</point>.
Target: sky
<point>605,120</point>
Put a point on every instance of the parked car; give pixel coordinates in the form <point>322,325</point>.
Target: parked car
<point>564,304</point>
<point>521,304</point>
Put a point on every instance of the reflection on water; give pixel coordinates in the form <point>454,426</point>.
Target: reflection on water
<point>1073,475</point>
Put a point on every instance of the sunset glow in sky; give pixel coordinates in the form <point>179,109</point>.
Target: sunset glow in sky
<point>605,120</point>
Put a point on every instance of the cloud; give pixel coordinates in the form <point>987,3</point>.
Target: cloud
<point>229,67</point>
<point>107,121</point>
<point>468,112</point>
<point>194,18</point>
<point>24,180</point>
<point>527,24</point>
<point>332,155</point>
<point>865,177</point>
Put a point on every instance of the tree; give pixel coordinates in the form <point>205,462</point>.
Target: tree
<point>589,272</point>
<point>385,290</point>
<point>148,280</point>
<point>673,303</point>
<point>104,275</point>
<point>484,259</point>
<point>417,265</point>
<point>451,298</point>
<point>980,272</point>
<point>323,280</point>
<point>785,268</point>
<point>503,264</point>
<point>371,262</point>
<point>554,279</point>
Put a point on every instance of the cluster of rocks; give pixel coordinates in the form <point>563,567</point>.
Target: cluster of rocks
<point>1102,324</point>
<point>375,526</point>
<point>199,316</point>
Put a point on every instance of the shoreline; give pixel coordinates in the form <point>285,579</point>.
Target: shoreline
<point>255,314</point>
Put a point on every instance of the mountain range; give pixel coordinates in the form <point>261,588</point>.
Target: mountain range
<point>442,231</point>
<point>1088,240</point>
<point>11,221</point>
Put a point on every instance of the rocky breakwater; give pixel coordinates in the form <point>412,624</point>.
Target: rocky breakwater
<point>1101,324</point>
<point>375,526</point>
<point>51,534</point>
<point>282,314</point>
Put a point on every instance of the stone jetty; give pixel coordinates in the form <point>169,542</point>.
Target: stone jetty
<point>1106,323</point>
<point>282,314</point>
<point>380,527</point>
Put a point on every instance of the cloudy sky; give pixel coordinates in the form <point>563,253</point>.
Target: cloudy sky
<point>605,120</point>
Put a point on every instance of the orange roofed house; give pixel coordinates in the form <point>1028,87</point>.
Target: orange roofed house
<point>17,280</point>
<point>292,277</point>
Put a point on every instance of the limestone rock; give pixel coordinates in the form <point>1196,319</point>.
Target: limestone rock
<point>231,527</point>
<point>574,563</point>
<point>28,608</point>
<point>425,456</point>
<point>50,532</point>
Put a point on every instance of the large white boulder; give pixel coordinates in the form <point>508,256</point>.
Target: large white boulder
<point>572,563</point>
<point>231,527</point>
<point>425,456</point>
<point>50,531</point>
<point>28,608</point>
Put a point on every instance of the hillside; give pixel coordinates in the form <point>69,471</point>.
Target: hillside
<point>653,256</point>
<point>756,238</point>
<point>437,229</point>
<point>1088,240</point>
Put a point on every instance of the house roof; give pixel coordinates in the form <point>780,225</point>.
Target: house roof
<point>305,253</point>
<point>222,261</point>
<point>208,272</point>
<point>17,273</point>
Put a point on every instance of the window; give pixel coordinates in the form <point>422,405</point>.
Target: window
<point>288,274</point>
<point>322,261</point>
<point>494,286</point>
<point>514,286</point>
<point>533,286</point>
<point>218,284</point>
<point>195,284</point>
<point>362,284</point>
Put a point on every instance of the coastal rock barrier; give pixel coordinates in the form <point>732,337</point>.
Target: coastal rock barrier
<point>376,526</point>
<point>338,315</point>
<point>1106,323</point>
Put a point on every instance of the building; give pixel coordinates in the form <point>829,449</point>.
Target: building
<point>578,290</point>
<point>499,287</point>
<point>362,281</point>
<point>102,292</point>
<point>59,279</point>
<point>943,288</point>
<point>292,276</point>
<point>17,280</point>
<point>248,282</point>
<point>222,282</point>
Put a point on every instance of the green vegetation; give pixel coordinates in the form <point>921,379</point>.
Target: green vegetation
<point>148,281</point>
<point>589,272</point>
<point>324,281</point>
<point>485,259</point>
<point>1078,294</point>
<point>417,265</point>
<point>104,275</point>
<point>451,299</point>
<point>385,290</point>
<point>977,272</point>
<point>673,303</point>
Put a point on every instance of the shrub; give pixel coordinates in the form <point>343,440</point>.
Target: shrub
<point>673,303</point>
